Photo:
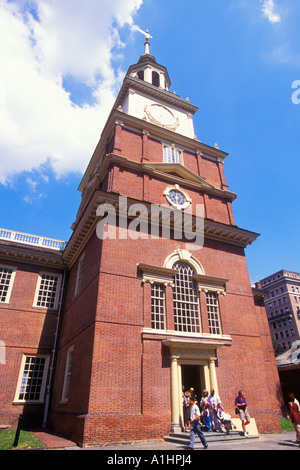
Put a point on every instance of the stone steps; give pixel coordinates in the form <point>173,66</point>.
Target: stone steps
<point>183,438</point>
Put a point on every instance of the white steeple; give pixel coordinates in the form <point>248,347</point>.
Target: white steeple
<point>145,95</point>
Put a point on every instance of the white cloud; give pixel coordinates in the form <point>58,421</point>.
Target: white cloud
<point>268,10</point>
<point>31,183</point>
<point>42,42</point>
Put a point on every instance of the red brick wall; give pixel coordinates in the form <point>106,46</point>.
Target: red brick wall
<point>131,148</point>
<point>128,375</point>
<point>25,330</point>
<point>121,379</point>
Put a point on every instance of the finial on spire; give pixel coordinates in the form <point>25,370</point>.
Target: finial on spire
<point>147,44</point>
<point>147,37</point>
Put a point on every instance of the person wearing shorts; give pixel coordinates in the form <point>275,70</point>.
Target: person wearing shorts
<point>241,404</point>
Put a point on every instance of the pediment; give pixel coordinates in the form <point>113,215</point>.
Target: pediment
<point>180,170</point>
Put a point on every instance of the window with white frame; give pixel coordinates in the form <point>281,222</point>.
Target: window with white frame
<point>185,298</point>
<point>7,275</point>
<point>213,313</point>
<point>32,379</point>
<point>47,293</point>
<point>171,154</point>
<point>68,372</point>
<point>157,306</point>
<point>177,197</point>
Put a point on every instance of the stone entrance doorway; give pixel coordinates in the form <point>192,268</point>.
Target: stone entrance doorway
<point>191,377</point>
<point>193,362</point>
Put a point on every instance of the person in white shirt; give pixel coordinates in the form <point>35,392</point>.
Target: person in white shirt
<point>195,425</point>
<point>214,402</point>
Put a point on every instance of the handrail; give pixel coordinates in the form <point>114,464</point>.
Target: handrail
<point>32,240</point>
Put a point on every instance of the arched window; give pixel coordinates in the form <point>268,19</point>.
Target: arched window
<point>141,74</point>
<point>185,298</point>
<point>155,79</point>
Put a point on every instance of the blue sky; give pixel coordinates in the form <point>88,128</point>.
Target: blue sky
<point>63,62</point>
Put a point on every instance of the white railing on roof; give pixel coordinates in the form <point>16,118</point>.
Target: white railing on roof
<point>32,240</point>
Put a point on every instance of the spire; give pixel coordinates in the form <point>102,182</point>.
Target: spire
<point>147,44</point>
<point>147,37</point>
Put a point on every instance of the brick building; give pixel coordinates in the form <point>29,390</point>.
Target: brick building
<point>100,334</point>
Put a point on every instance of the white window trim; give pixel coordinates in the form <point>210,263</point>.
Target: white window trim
<point>11,283</point>
<point>38,288</point>
<point>175,147</point>
<point>45,374</point>
<point>187,317</point>
<point>158,295</point>
<point>214,320</point>
<point>176,187</point>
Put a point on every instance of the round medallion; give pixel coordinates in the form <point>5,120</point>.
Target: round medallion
<point>177,197</point>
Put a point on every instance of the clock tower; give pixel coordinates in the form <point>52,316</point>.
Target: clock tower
<point>146,315</point>
<point>148,97</point>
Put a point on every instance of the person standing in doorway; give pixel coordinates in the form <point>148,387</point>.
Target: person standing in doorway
<point>204,409</point>
<point>241,404</point>
<point>195,425</point>
<point>186,410</point>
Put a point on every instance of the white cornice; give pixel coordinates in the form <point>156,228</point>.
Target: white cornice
<point>31,254</point>
<point>155,92</point>
<point>171,172</point>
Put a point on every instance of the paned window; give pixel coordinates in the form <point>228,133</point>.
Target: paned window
<point>185,298</point>
<point>48,291</point>
<point>171,154</point>
<point>213,313</point>
<point>68,371</point>
<point>6,281</point>
<point>33,378</point>
<point>157,307</point>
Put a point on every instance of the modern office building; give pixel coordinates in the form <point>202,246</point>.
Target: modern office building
<point>282,304</point>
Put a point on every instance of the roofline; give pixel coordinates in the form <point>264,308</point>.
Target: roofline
<point>152,90</point>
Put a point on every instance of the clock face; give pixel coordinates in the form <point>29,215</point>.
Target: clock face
<point>161,114</point>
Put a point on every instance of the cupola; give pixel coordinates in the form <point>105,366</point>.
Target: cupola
<point>148,70</point>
